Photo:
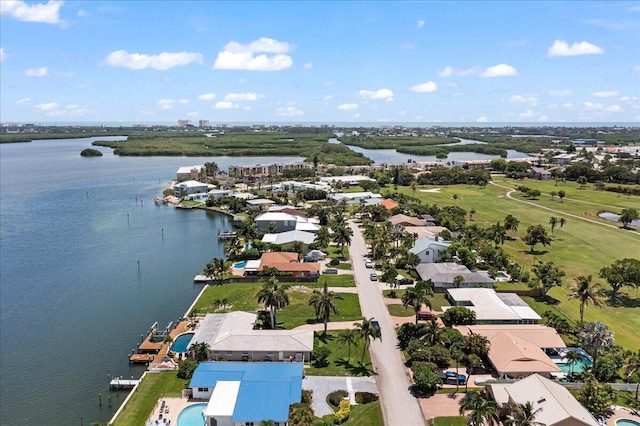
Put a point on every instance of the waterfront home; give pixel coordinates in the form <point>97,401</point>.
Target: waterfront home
<point>231,337</point>
<point>260,204</point>
<point>553,403</point>
<point>443,276</point>
<point>191,187</point>
<point>289,237</point>
<point>242,393</point>
<point>214,193</point>
<point>349,180</point>
<point>430,249</point>
<point>291,185</point>
<point>191,173</point>
<point>493,308</point>
<point>287,262</point>
<point>519,350</point>
<point>282,222</point>
<point>259,171</point>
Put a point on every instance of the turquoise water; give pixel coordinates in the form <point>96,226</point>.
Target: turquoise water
<point>181,343</point>
<point>500,275</point>
<point>576,367</point>
<point>627,422</point>
<point>73,230</point>
<point>192,415</point>
<point>240,265</point>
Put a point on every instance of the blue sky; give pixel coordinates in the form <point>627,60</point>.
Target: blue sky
<point>325,62</point>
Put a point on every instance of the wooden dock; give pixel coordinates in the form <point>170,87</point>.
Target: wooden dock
<point>141,358</point>
<point>119,383</point>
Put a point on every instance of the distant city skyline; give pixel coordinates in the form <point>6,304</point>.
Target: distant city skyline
<point>417,63</point>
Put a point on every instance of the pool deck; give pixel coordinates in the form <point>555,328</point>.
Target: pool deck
<point>618,413</point>
<point>161,348</point>
<point>173,407</point>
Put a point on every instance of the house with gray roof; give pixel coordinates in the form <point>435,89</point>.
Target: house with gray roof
<point>430,249</point>
<point>443,275</point>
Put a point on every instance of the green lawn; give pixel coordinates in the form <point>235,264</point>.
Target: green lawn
<point>341,280</point>
<point>401,311</point>
<point>345,266</point>
<point>333,252</point>
<point>142,402</point>
<point>298,312</point>
<point>339,363</point>
<point>449,421</point>
<point>367,414</point>
<point>579,248</point>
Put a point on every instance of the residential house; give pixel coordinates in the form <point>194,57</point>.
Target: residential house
<point>247,393</point>
<point>406,221</point>
<point>214,193</point>
<point>356,197</point>
<point>518,350</point>
<point>425,231</point>
<point>443,274</point>
<point>288,263</point>
<point>348,180</point>
<point>260,203</point>
<point>231,337</point>
<point>258,171</point>
<point>191,187</point>
<point>540,173</point>
<point>430,249</point>
<point>553,403</point>
<point>563,159</point>
<point>493,308</point>
<point>289,237</point>
<point>282,222</point>
<point>389,204</point>
<point>191,173</point>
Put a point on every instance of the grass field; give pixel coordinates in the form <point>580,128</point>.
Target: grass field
<point>241,297</point>
<point>579,248</point>
<point>401,311</point>
<point>367,414</point>
<point>339,363</point>
<point>449,421</point>
<point>147,394</point>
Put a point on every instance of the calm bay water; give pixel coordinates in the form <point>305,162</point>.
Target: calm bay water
<point>73,300</point>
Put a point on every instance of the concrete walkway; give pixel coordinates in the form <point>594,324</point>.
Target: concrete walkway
<point>399,406</point>
<point>324,385</point>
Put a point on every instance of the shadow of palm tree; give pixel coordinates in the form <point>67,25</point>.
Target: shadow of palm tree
<point>625,301</point>
<point>356,369</point>
<point>324,338</point>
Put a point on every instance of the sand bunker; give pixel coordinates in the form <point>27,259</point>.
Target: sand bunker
<point>430,190</point>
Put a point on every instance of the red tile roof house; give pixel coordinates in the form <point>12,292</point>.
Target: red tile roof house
<point>288,262</point>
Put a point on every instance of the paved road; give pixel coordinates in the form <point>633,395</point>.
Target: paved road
<point>323,385</point>
<point>399,406</point>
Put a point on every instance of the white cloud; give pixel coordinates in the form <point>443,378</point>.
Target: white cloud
<point>243,81</point>
<point>628,99</point>
<point>81,13</point>
<point>524,99</point>
<point>162,61</point>
<point>482,119</point>
<point>36,72</point>
<point>356,115</point>
<point>225,105</point>
<point>47,13</point>
<point>559,93</point>
<point>613,108</point>
<point>347,107</point>
<point>562,48</point>
<point>567,105</point>
<point>500,70</point>
<point>250,96</point>
<point>636,68</point>
<point>183,101</point>
<point>428,87</point>
<point>527,114</point>
<point>70,110</point>
<point>3,55</point>
<point>193,114</point>
<point>247,108</point>
<point>23,101</point>
<point>605,94</point>
<point>47,107</point>
<point>308,66</point>
<point>206,96</point>
<point>420,23</point>
<point>592,106</point>
<point>289,111</point>
<point>328,97</point>
<point>385,94</point>
<point>236,56</point>
<point>165,103</point>
<point>449,71</point>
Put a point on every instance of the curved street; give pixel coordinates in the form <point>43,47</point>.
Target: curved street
<point>399,406</point>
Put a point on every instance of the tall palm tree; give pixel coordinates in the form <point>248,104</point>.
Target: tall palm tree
<point>572,357</point>
<point>561,222</point>
<point>216,269</point>
<point>498,233</point>
<point>342,235</point>
<point>523,415</point>
<point>434,334</point>
<point>586,291</point>
<point>348,337</point>
<point>274,296</point>
<point>322,237</point>
<point>476,344</point>
<point>248,231</point>
<point>553,222</point>
<point>482,410</point>
<point>324,304</point>
<point>367,332</point>
<point>416,297</point>
<point>200,350</point>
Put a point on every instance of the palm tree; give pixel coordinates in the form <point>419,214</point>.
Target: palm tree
<point>523,415</point>
<point>483,411</point>
<point>458,281</point>
<point>572,357</point>
<point>349,337</point>
<point>323,303</point>
<point>200,350</point>
<point>561,222</point>
<point>414,186</point>
<point>434,334</point>
<point>498,233</point>
<point>367,332</point>
<point>216,269</point>
<point>248,231</point>
<point>323,237</point>
<point>553,222</point>
<point>274,297</point>
<point>631,367</point>
<point>584,290</point>
<point>476,344</point>
<point>342,235</point>
<point>471,213</point>
<point>416,297</point>
<point>511,223</point>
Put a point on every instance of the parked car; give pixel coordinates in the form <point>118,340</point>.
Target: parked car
<point>330,271</point>
<point>405,281</point>
<point>368,265</point>
<point>373,277</point>
<point>375,324</point>
<point>451,377</point>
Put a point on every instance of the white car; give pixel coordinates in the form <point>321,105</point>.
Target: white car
<point>369,265</point>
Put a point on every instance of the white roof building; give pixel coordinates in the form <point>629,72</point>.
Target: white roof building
<point>348,180</point>
<point>493,308</point>
<point>289,237</point>
<point>355,197</point>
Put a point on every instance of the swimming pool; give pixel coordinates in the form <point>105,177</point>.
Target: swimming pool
<point>193,415</point>
<point>627,422</point>
<point>181,344</point>
<point>577,367</point>
<point>240,265</point>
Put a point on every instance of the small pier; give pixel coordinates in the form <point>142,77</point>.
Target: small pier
<point>120,383</point>
<point>227,235</point>
<point>202,279</point>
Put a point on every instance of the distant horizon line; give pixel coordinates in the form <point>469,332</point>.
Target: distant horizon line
<point>335,124</point>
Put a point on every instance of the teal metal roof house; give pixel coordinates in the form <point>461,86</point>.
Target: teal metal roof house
<point>241,393</point>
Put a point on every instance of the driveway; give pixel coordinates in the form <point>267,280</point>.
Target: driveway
<point>399,406</point>
<point>324,385</point>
